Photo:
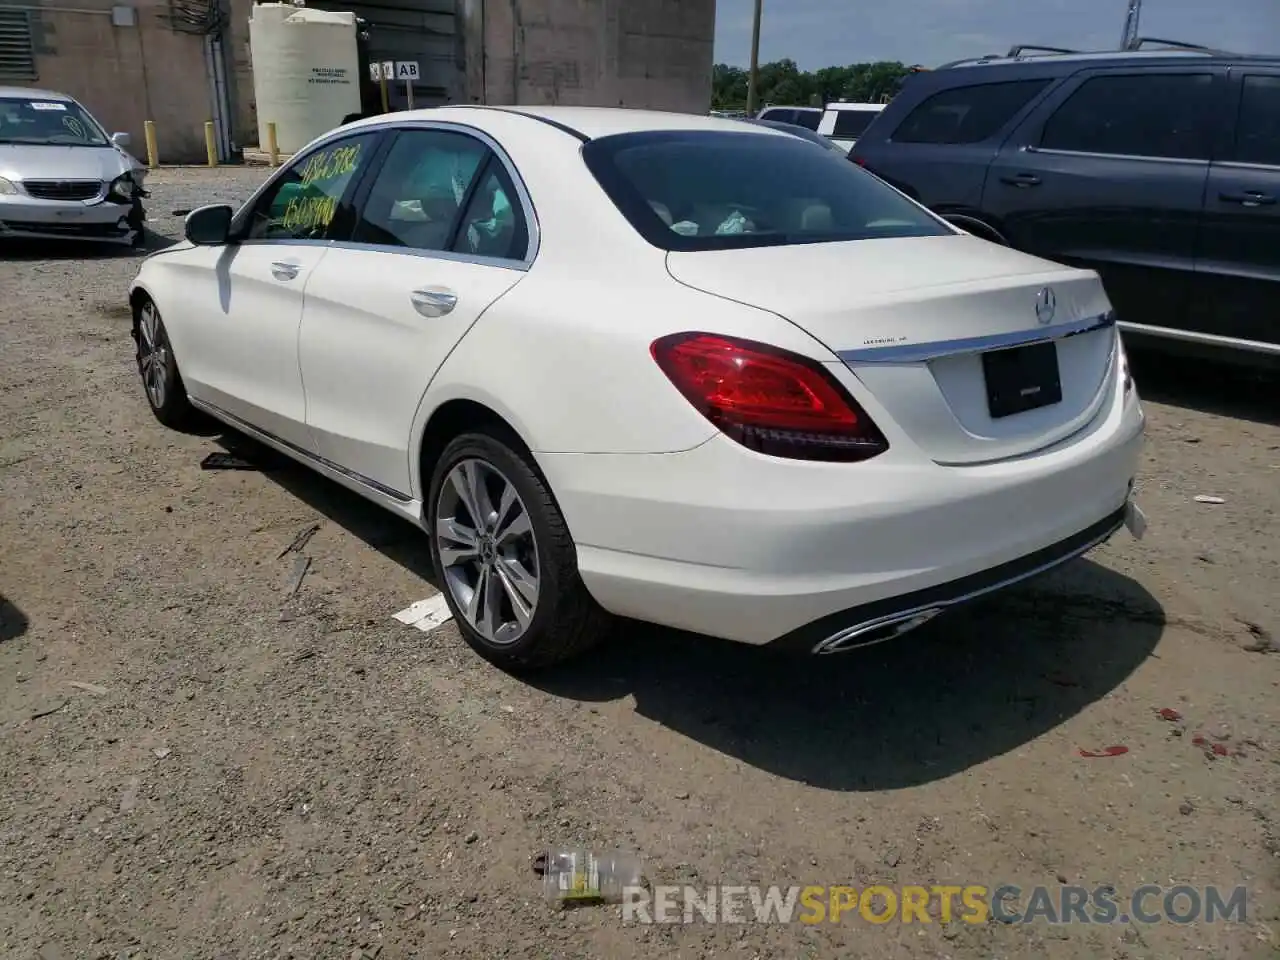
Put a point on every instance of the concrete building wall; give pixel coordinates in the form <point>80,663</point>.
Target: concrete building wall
<point>654,54</point>
<point>636,53</point>
<point>125,75</point>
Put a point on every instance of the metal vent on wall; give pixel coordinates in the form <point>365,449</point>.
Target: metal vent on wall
<point>196,16</point>
<point>17,53</point>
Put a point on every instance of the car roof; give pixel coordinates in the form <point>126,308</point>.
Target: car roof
<point>29,93</point>
<point>1068,61</point>
<point>845,105</point>
<point>589,122</point>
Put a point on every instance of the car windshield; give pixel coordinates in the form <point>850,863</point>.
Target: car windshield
<point>62,123</point>
<point>712,190</point>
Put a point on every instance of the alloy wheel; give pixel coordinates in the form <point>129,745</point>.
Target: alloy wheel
<point>153,355</point>
<point>488,552</point>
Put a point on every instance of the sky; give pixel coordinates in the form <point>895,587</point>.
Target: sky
<point>820,33</point>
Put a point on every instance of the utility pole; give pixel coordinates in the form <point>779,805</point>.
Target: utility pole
<point>1130,35</point>
<point>754,75</point>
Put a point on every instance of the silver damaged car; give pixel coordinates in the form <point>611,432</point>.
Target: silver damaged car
<point>62,176</point>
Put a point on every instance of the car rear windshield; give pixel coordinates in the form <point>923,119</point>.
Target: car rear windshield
<point>713,190</point>
<point>810,119</point>
<point>850,124</point>
<point>62,123</point>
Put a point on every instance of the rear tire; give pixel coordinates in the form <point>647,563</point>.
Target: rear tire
<point>158,367</point>
<point>504,558</point>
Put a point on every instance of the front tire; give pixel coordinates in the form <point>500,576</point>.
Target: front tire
<point>504,558</point>
<point>158,367</point>
<point>137,222</point>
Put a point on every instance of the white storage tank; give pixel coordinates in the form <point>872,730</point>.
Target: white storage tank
<point>306,71</point>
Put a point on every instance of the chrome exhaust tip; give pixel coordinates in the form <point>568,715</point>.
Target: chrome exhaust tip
<point>875,631</point>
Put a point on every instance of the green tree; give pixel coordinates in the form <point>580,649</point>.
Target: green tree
<point>783,83</point>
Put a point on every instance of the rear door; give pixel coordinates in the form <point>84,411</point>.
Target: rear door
<point>1109,173</point>
<point>441,231</point>
<point>940,151</point>
<point>1237,288</point>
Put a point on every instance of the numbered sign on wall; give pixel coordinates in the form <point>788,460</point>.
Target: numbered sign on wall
<point>406,69</point>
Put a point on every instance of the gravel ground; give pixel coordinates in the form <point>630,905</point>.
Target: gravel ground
<point>195,763</point>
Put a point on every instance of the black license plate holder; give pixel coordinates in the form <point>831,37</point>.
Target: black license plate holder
<point>1021,379</point>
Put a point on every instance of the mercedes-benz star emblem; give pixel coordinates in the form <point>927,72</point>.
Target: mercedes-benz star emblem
<point>1046,306</point>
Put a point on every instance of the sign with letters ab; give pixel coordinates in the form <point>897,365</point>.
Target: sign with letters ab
<point>406,69</point>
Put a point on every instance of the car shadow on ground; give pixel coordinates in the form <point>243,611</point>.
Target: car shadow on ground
<point>396,538</point>
<point>1209,386</point>
<point>80,249</point>
<point>974,684</point>
<point>13,622</point>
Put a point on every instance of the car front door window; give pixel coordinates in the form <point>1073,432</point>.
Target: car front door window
<point>303,202</point>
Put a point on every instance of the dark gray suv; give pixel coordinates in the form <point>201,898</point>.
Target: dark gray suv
<point>1158,169</point>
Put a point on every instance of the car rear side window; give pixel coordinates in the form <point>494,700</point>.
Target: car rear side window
<point>967,114</point>
<point>712,190</point>
<point>851,123</point>
<point>417,196</point>
<point>1258,129</point>
<point>1139,115</point>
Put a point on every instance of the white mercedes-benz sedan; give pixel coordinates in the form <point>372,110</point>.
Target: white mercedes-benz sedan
<point>668,367</point>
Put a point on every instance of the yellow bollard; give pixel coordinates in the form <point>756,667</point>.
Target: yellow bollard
<point>273,145</point>
<point>210,143</point>
<point>153,152</point>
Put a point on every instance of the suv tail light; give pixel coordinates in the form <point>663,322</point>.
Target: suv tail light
<point>769,400</point>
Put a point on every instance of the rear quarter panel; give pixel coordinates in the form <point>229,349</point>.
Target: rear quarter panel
<point>565,358</point>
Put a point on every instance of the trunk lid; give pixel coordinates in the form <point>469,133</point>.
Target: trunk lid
<point>914,318</point>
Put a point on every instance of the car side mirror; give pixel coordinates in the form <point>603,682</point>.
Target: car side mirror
<point>121,140</point>
<point>209,226</point>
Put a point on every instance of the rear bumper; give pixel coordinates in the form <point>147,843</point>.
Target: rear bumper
<point>872,622</point>
<point>724,542</point>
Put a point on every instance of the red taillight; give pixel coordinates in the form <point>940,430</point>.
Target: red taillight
<point>768,399</point>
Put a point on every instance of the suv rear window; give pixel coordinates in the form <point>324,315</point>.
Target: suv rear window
<point>1139,115</point>
<point>712,190</point>
<point>851,123</point>
<point>967,114</point>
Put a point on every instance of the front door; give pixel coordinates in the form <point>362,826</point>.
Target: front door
<point>440,234</point>
<point>242,355</point>
<point>1238,270</point>
<point>1108,173</point>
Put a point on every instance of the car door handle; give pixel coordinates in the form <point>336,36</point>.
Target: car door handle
<point>284,270</point>
<point>1022,180</point>
<point>1250,198</point>
<point>433,303</point>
